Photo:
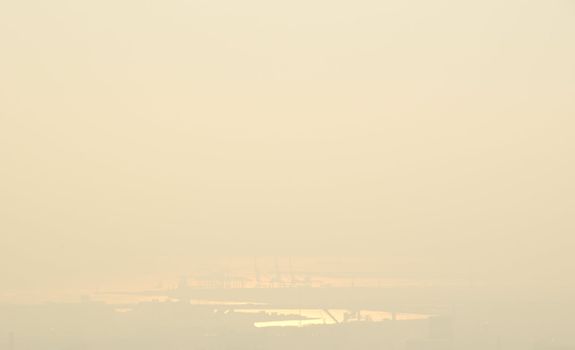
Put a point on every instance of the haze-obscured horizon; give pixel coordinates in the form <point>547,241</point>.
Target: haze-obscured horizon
<point>432,138</point>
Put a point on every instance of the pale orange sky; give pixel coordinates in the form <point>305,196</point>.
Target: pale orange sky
<point>138,132</point>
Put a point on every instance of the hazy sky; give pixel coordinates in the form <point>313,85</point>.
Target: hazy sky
<point>138,132</point>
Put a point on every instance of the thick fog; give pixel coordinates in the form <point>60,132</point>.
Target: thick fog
<point>416,144</point>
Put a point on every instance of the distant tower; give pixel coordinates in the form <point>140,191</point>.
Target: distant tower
<point>183,283</point>
<point>292,275</point>
<point>257,272</point>
<point>278,278</point>
<point>11,341</point>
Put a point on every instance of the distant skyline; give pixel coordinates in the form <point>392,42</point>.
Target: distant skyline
<point>432,137</point>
